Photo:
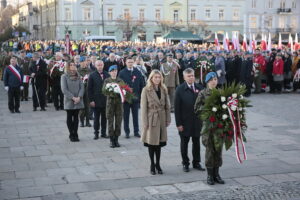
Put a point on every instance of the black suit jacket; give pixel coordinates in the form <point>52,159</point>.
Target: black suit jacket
<point>95,85</point>
<point>40,70</point>
<point>185,116</point>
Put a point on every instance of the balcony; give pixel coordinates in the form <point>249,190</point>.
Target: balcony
<point>284,11</point>
<point>283,30</point>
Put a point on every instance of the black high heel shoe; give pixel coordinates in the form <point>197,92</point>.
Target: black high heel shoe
<point>152,169</point>
<point>159,170</point>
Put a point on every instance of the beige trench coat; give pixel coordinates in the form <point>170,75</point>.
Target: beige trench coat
<point>155,115</point>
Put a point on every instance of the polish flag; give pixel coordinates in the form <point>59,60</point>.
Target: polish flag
<point>217,41</point>
<point>279,42</point>
<point>26,79</point>
<point>297,45</point>
<point>245,43</point>
<point>291,43</point>
<point>263,42</point>
<point>253,43</point>
<point>227,39</point>
<point>225,44</point>
<point>250,46</point>
<point>269,47</point>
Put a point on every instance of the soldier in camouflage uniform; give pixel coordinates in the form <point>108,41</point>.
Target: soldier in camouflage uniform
<point>84,72</point>
<point>213,157</point>
<point>114,109</point>
<point>23,63</point>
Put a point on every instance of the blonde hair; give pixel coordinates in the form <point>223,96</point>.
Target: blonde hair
<point>68,66</point>
<point>150,84</point>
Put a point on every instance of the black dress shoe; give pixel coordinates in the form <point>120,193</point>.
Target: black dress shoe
<point>159,170</point>
<point>137,135</point>
<point>17,111</point>
<point>96,137</point>
<point>88,124</point>
<point>186,168</point>
<point>34,109</point>
<point>81,124</point>
<point>26,99</point>
<point>104,136</point>
<point>198,167</point>
<point>127,136</point>
<point>43,109</point>
<point>61,107</point>
<point>57,108</point>
<point>11,111</point>
<point>152,169</point>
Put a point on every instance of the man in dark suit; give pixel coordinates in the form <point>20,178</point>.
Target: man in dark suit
<point>97,98</point>
<point>110,62</point>
<point>13,80</point>
<point>188,124</point>
<point>38,70</point>
<point>134,79</point>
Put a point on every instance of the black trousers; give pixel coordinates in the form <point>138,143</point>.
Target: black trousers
<point>271,83</point>
<point>57,96</point>
<point>72,123</point>
<point>134,107</point>
<point>184,142</point>
<point>24,92</point>
<point>39,96</point>
<point>97,113</point>
<point>14,98</point>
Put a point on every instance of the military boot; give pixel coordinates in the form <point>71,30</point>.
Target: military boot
<point>116,141</point>
<point>217,177</point>
<point>112,142</point>
<point>210,176</point>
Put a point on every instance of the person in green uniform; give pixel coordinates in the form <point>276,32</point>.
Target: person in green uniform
<point>84,72</point>
<point>114,108</point>
<point>213,157</point>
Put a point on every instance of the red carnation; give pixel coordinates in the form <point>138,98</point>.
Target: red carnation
<point>220,125</point>
<point>212,119</point>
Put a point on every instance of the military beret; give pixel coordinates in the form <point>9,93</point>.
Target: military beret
<point>209,76</point>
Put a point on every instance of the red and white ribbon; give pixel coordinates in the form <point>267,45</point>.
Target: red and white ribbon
<point>237,132</point>
<point>120,91</point>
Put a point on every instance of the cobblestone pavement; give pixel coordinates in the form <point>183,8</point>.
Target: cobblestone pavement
<point>38,162</point>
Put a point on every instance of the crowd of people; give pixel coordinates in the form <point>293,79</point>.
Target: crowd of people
<point>164,78</point>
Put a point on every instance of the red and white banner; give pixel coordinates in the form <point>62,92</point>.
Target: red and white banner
<point>217,41</point>
<point>245,46</point>
<point>26,79</point>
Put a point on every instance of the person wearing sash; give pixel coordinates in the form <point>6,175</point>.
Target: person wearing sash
<point>213,157</point>
<point>13,82</point>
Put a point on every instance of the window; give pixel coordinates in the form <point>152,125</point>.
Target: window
<point>269,22</point>
<point>253,3</point>
<point>110,14</point>
<point>68,14</point>
<point>207,13</point>
<point>221,14</point>
<point>87,14</point>
<point>142,14</point>
<point>110,33</point>
<point>282,4</point>
<point>193,15</point>
<point>236,14</point>
<point>157,14</point>
<point>126,13</point>
<point>294,4</point>
<point>294,22</point>
<point>281,21</point>
<point>253,23</point>
<point>270,4</point>
<point>175,15</point>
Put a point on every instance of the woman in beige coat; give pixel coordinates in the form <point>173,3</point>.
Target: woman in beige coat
<point>155,108</point>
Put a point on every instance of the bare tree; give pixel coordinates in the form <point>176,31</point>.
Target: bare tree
<point>5,17</point>
<point>167,26</point>
<point>129,26</point>
<point>198,27</point>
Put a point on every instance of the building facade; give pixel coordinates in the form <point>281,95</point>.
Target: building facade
<point>274,16</point>
<point>146,20</point>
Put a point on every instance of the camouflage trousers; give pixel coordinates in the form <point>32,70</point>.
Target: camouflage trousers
<point>85,112</point>
<point>213,158</point>
<point>114,116</point>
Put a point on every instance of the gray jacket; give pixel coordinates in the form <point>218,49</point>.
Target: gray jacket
<point>72,88</point>
<point>220,65</point>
